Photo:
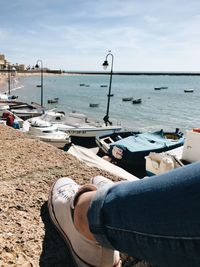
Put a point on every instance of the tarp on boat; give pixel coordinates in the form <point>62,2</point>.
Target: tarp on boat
<point>92,160</point>
<point>146,141</point>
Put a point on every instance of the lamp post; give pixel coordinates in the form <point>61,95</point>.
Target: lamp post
<point>41,83</point>
<point>9,77</point>
<point>105,65</point>
<point>9,80</point>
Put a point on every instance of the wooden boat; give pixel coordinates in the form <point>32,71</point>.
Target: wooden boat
<point>189,90</point>
<point>24,110</point>
<point>127,98</point>
<point>129,149</point>
<point>93,105</point>
<point>137,101</point>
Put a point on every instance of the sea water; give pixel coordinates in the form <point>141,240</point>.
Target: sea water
<point>160,109</point>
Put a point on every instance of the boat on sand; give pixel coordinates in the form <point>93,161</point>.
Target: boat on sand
<point>80,128</point>
<point>47,133</point>
<point>129,149</point>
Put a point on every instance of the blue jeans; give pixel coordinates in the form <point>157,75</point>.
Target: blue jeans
<point>156,219</point>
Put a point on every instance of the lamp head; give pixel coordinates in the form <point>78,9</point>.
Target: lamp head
<point>37,66</point>
<point>105,64</point>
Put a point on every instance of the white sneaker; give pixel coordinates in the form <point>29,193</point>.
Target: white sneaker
<point>86,253</point>
<point>100,181</point>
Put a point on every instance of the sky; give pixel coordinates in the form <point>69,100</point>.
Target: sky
<point>143,35</point>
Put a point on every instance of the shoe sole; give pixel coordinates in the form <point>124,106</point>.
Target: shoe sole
<point>76,259</point>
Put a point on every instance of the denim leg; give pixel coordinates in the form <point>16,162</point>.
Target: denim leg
<point>156,219</point>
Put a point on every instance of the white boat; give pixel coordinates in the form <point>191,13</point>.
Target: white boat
<point>188,153</point>
<point>75,124</point>
<point>157,163</point>
<point>47,133</point>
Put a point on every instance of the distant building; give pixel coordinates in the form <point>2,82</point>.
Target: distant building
<point>19,67</point>
<point>2,61</point>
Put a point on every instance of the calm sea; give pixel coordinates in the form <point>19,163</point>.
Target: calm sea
<point>167,108</point>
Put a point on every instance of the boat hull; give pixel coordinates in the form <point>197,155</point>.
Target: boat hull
<point>93,132</point>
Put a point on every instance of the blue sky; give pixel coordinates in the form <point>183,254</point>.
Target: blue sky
<point>143,35</point>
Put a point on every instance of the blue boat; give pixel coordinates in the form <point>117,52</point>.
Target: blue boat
<point>128,149</point>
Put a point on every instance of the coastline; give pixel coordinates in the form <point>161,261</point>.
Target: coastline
<point>27,237</point>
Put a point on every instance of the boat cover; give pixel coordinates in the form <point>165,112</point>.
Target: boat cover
<point>92,160</point>
<point>145,142</point>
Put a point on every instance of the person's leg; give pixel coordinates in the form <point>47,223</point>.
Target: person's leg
<point>156,219</point>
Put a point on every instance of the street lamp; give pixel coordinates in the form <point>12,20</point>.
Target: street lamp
<point>41,83</point>
<point>105,65</point>
<point>9,77</point>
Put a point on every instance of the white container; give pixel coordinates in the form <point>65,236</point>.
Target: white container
<point>191,148</point>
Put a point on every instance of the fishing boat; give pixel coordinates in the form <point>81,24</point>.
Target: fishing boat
<point>189,90</point>
<point>81,129</point>
<point>52,101</point>
<point>189,152</point>
<point>137,101</point>
<point>47,133</point>
<point>160,88</point>
<point>129,149</point>
<point>156,163</point>
<point>22,109</point>
<point>110,95</point>
<point>127,98</point>
<point>103,85</point>
<point>93,105</point>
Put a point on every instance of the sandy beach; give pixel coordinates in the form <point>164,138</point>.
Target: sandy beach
<point>27,236</point>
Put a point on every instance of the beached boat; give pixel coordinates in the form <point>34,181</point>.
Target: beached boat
<point>81,128</point>
<point>47,133</point>
<point>127,98</point>
<point>129,149</point>
<point>189,90</point>
<point>22,109</point>
<point>8,97</point>
<point>137,101</point>
<point>157,163</point>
